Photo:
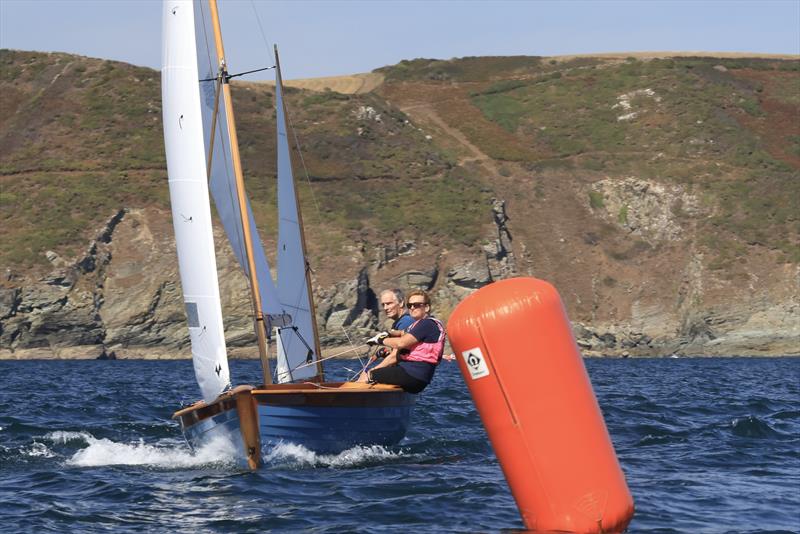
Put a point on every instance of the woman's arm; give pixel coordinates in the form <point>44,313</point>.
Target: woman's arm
<point>390,359</point>
<point>405,341</point>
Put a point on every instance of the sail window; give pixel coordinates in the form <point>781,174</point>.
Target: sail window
<point>192,315</point>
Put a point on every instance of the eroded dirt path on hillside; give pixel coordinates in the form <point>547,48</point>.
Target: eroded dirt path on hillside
<point>425,114</point>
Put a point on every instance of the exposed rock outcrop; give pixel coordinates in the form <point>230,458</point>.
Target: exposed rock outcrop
<point>347,311</point>
<point>646,208</point>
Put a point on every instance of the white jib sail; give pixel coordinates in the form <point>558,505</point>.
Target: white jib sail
<point>296,344</point>
<point>222,181</point>
<point>188,189</point>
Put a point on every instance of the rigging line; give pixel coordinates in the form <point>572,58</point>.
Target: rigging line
<point>249,72</point>
<point>303,162</point>
<point>355,347</point>
<point>261,29</point>
<point>363,369</point>
<point>217,92</point>
<point>327,358</point>
<point>229,76</point>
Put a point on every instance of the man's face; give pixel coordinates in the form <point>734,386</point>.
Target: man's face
<point>390,305</point>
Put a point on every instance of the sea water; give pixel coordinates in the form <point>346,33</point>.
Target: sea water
<point>707,445</point>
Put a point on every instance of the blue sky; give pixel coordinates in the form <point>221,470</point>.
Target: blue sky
<point>333,37</point>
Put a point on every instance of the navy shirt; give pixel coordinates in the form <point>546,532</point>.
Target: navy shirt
<point>425,331</point>
<point>403,322</point>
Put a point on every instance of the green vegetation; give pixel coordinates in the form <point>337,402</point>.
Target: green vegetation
<point>462,69</point>
<point>596,200</point>
<point>81,139</point>
<point>316,99</point>
<point>437,208</point>
<point>622,216</point>
<point>727,126</point>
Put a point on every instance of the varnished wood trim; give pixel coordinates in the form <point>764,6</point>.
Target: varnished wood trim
<point>200,410</point>
<point>248,425</point>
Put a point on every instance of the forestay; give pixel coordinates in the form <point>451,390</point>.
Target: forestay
<point>296,344</point>
<point>191,210</point>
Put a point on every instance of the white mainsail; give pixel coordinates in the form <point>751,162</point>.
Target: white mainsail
<point>191,209</point>
<point>223,180</point>
<point>296,344</point>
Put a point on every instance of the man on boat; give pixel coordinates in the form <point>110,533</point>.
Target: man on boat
<point>414,355</point>
<point>393,305</point>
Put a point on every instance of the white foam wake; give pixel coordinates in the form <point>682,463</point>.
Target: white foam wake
<point>170,455</point>
<point>297,456</point>
<point>37,450</point>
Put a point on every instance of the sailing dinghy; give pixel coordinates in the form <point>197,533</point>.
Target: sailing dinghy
<point>203,157</point>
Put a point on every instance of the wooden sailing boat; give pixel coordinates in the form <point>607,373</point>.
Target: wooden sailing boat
<point>202,155</point>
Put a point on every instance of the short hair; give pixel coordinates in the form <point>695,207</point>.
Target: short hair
<point>424,294</point>
<point>398,294</point>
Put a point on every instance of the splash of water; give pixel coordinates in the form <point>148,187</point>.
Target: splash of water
<point>37,450</point>
<point>290,455</point>
<point>167,455</point>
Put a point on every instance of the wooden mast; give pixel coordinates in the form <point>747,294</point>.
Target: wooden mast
<point>279,81</point>
<point>241,197</point>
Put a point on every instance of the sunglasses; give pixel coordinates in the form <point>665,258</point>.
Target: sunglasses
<point>413,305</point>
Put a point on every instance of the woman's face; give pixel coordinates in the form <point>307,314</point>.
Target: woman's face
<point>417,307</point>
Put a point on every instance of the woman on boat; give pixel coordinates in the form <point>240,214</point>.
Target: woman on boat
<point>413,357</point>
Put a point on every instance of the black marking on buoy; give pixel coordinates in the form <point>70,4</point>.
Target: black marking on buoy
<point>473,361</point>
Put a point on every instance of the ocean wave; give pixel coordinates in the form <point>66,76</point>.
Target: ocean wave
<point>752,427</point>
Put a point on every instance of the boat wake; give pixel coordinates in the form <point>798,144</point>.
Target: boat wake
<point>292,456</point>
<point>167,454</point>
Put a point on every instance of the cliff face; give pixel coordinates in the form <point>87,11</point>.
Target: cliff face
<point>663,236</point>
<point>122,299</point>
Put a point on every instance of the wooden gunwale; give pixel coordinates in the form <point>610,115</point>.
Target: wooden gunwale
<point>223,403</point>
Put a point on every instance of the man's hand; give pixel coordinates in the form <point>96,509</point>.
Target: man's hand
<point>377,339</point>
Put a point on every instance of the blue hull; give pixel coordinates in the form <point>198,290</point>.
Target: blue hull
<point>326,419</point>
<point>334,429</point>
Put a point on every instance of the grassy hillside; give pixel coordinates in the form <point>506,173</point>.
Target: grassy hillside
<point>727,129</point>
<point>81,138</point>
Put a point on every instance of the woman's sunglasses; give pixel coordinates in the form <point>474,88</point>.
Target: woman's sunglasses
<point>413,305</point>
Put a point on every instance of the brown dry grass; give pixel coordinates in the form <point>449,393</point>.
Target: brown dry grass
<point>352,84</point>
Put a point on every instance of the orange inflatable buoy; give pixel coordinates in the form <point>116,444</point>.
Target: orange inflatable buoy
<point>516,350</point>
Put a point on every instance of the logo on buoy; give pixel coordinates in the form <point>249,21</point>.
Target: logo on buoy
<point>476,364</point>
